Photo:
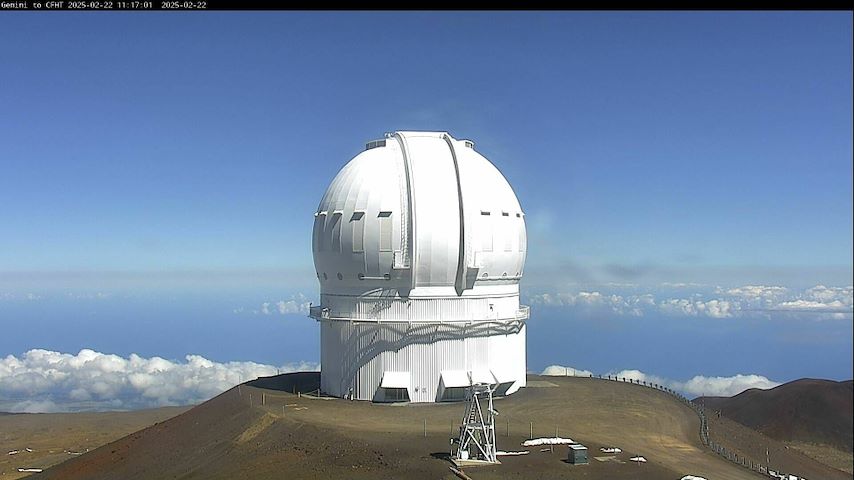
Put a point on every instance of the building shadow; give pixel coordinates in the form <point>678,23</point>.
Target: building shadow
<point>368,340</point>
<point>446,456</point>
<point>295,382</point>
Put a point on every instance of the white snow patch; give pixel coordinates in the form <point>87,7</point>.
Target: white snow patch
<point>547,441</point>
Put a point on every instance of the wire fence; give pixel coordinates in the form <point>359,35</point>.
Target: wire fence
<point>705,437</point>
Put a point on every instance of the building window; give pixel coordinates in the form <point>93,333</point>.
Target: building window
<point>485,231</point>
<point>452,394</point>
<point>319,223</point>
<point>374,144</point>
<point>358,224</point>
<point>507,231</point>
<point>385,231</point>
<point>335,237</point>
<point>396,395</point>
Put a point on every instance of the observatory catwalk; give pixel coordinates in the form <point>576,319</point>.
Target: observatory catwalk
<point>419,246</point>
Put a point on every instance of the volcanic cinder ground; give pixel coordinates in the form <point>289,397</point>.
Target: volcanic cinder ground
<point>265,433</point>
<point>56,437</point>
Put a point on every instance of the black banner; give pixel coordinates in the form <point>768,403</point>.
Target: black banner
<point>255,5</point>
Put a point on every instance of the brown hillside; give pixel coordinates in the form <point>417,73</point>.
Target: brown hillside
<point>807,410</point>
<point>56,437</point>
<point>266,433</point>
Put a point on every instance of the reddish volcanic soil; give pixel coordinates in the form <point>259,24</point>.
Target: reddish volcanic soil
<point>813,416</point>
<point>806,410</point>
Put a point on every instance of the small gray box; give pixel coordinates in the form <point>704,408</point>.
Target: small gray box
<point>577,454</point>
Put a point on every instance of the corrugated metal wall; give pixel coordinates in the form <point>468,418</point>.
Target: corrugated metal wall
<point>355,355</point>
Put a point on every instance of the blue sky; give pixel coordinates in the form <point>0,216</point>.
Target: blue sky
<point>172,163</point>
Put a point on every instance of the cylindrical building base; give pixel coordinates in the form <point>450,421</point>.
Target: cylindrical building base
<point>420,362</point>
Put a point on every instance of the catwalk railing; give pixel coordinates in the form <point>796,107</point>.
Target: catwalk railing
<point>321,313</point>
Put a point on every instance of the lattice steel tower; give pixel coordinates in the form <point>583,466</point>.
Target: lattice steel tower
<point>477,429</point>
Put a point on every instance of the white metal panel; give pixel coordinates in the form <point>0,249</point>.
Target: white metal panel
<point>395,380</point>
<point>482,375</point>
<point>486,190</point>
<point>455,378</point>
<point>436,210</point>
<point>358,355</point>
<point>502,375</point>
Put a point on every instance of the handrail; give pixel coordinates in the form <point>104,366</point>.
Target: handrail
<point>322,313</point>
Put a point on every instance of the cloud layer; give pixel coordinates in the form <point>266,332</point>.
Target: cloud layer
<point>561,371</point>
<point>47,381</point>
<point>697,386</point>
<point>296,305</point>
<point>824,302</point>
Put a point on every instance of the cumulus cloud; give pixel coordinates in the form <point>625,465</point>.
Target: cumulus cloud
<point>820,293</point>
<point>694,387</point>
<point>756,291</point>
<point>297,304</point>
<point>640,376</point>
<point>562,371</point>
<point>724,386</point>
<point>682,285</point>
<point>824,302</point>
<point>47,381</point>
<point>623,305</point>
<point>702,385</point>
<point>695,307</point>
<point>813,306</point>
<point>291,306</point>
<point>828,302</point>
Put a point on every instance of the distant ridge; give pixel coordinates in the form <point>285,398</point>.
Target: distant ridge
<point>806,410</point>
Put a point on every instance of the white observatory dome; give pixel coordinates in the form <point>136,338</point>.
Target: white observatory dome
<point>419,229</point>
<point>418,209</point>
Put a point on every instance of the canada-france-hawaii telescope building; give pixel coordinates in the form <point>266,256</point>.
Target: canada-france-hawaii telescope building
<point>419,245</point>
